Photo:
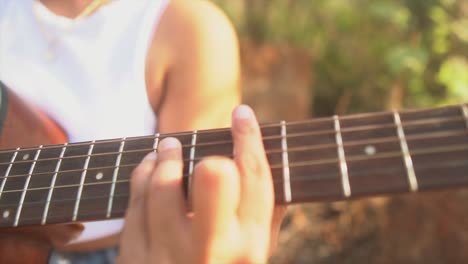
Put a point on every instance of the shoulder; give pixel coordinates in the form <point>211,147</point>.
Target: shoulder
<point>194,39</point>
<point>197,19</point>
<point>191,27</point>
<point>193,62</point>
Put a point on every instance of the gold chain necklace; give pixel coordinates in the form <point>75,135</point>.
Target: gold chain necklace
<point>93,6</point>
<point>53,40</point>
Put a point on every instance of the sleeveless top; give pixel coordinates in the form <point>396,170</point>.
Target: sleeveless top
<point>86,74</point>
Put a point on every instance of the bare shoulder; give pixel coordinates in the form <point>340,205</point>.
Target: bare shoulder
<point>189,28</point>
<point>198,19</point>
<point>194,54</point>
<point>198,27</point>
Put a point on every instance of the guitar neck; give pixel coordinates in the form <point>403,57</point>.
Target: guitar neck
<point>324,159</point>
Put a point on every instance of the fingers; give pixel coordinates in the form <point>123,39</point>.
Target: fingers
<point>140,178</point>
<point>253,166</point>
<point>216,192</point>
<point>135,224</point>
<point>166,205</point>
<point>232,203</point>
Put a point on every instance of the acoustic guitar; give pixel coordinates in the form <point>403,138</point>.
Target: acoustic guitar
<point>327,159</point>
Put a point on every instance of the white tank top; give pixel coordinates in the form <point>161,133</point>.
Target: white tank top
<point>87,74</point>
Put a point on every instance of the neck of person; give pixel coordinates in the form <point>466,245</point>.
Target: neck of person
<point>67,8</point>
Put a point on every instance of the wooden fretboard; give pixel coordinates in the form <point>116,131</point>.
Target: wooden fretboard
<point>323,159</point>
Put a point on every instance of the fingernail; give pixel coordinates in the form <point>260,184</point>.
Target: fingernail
<point>243,112</point>
<point>169,143</point>
<point>151,156</point>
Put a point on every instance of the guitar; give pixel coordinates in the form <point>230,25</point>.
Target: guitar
<point>326,159</point>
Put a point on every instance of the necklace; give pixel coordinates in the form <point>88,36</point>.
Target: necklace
<point>54,39</point>
<point>93,6</point>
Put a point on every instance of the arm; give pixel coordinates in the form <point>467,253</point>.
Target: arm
<point>193,68</point>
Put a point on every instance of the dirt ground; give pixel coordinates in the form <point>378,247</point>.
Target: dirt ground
<point>429,228</point>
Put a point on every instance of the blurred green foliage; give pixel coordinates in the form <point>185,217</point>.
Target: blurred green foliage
<point>370,51</point>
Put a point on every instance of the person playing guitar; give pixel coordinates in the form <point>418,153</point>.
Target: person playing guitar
<point>79,70</point>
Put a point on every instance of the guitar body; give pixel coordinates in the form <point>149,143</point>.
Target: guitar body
<point>27,126</point>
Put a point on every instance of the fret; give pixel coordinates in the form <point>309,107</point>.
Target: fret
<point>80,188</point>
<point>14,185</point>
<point>275,140</point>
<point>373,175</point>
<point>442,167</point>
<point>320,160</point>
<point>464,109</point>
<point>97,186</point>
<point>301,150</point>
<point>342,159</point>
<point>35,201</point>
<point>191,165</point>
<point>285,160</point>
<point>442,162</point>
<point>370,169</point>
<point>7,173</point>
<point>103,172</point>
<point>132,154</point>
<point>114,177</point>
<point>122,191</point>
<point>311,178</point>
<point>413,183</point>
<point>25,189</point>
<point>192,151</point>
<point>67,183</point>
<point>52,185</point>
<point>156,142</point>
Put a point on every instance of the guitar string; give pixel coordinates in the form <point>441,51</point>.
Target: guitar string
<point>280,151</point>
<point>125,195</point>
<point>270,137</point>
<point>279,166</point>
<point>328,120</point>
<point>99,213</point>
<point>277,151</point>
<point>367,128</point>
<point>445,149</point>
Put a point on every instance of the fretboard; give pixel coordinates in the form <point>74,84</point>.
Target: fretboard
<point>325,159</point>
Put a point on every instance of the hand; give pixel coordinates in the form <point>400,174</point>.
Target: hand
<point>233,204</point>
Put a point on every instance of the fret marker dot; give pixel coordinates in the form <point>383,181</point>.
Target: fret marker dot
<point>26,156</point>
<point>6,214</point>
<point>370,150</point>
<point>99,176</point>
